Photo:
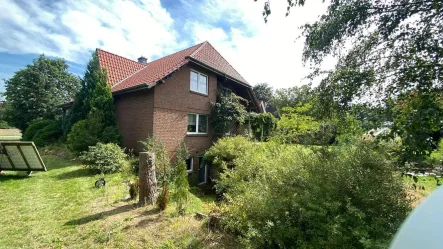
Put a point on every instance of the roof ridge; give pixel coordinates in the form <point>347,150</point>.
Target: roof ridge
<point>198,49</point>
<point>121,56</point>
<point>206,42</point>
<point>176,52</point>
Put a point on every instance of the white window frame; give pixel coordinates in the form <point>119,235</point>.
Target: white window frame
<point>192,165</point>
<point>197,120</point>
<point>198,82</point>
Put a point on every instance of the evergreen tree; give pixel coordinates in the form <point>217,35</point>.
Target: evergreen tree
<point>96,101</point>
<point>82,106</point>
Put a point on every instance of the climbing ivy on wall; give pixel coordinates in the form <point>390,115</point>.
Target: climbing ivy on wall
<point>262,125</point>
<point>226,112</point>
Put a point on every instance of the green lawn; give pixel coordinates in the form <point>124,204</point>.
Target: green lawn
<point>62,209</point>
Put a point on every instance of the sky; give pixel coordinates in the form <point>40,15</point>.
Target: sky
<point>261,52</point>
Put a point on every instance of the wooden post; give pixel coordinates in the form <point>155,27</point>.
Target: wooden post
<point>147,179</point>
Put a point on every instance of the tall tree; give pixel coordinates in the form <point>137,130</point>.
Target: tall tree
<point>263,91</point>
<point>93,111</point>
<point>35,91</point>
<point>385,49</point>
<point>82,105</point>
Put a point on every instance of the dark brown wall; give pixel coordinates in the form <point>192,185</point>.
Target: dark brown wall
<point>134,114</point>
<point>173,100</point>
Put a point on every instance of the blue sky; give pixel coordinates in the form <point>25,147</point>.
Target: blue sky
<point>154,28</point>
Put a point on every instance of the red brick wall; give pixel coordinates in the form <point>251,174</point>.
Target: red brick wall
<point>134,114</point>
<point>173,100</point>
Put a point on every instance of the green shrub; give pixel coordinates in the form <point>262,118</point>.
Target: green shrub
<point>223,154</point>
<point>104,158</point>
<point>34,127</point>
<point>48,134</point>
<point>181,185</point>
<point>4,125</point>
<point>80,137</point>
<point>286,196</point>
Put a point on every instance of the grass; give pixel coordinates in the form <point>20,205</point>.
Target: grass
<point>422,189</point>
<point>62,209</point>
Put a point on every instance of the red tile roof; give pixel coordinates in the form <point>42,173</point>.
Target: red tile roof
<point>125,73</point>
<point>118,67</point>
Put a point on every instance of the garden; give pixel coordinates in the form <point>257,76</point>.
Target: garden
<point>338,164</point>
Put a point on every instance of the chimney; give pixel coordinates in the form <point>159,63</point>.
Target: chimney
<point>143,60</point>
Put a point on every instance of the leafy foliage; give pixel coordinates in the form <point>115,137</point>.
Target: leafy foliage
<point>263,91</point>
<point>43,132</point>
<point>104,158</point>
<point>82,104</point>
<point>227,112</point>
<point>416,117</point>
<point>291,97</point>
<point>34,127</point>
<point>35,92</point>
<point>97,100</point>
<point>262,125</point>
<point>48,134</point>
<point>294,123</point>
<point>396,49</point>
<point>286,196</point>
<point>181,186</point>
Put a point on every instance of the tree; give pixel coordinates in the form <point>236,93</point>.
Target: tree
<point>82,103</point>
<point>385,49</point>
<point>263,91</point>
<point>291,97</point>
<point>35,91</point>
<point>96,98</point>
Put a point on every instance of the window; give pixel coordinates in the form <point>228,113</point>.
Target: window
<point>199,82</point>
<point>226,92</point>
<point>189,164</point>
<point>197,124</point>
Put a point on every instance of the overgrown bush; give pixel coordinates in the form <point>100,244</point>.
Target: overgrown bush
<point>262,125</point>
<point>43,132</point>
<point>104,158</point>
<point>48,134</point>
<point>89,132</point>
<point>227,112</point>
<point>222,155</point>
<point>4,124</point>
<point>34,127</point>
<point>287,196</point>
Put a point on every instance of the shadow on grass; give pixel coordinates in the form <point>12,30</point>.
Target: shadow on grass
<point>6,177</point>
<point>80,172</point>
<point>102,215</point>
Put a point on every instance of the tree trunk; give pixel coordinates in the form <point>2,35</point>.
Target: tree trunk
<point>147,179</point>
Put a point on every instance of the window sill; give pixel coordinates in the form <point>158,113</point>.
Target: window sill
<point>199,93</point>
<point>197,134</point>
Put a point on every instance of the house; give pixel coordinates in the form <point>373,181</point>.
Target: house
<point>171,97</point>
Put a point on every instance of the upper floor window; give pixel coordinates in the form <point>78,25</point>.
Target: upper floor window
<point>226,92</point>
<point>197,124</point>
<point>199,82</point>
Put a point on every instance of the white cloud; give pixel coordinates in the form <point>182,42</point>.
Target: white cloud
<point>261,52</point>
<point>73,29</point>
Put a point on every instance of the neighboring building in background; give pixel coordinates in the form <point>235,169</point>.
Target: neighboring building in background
<point>171,97</point>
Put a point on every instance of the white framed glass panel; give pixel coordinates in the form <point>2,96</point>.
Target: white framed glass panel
<point>192,123</point>
<point>194,81</point>
<point>202,124</point>
<point>203,84</point>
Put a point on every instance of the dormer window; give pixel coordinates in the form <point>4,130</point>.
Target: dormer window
<point>199,82</point>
